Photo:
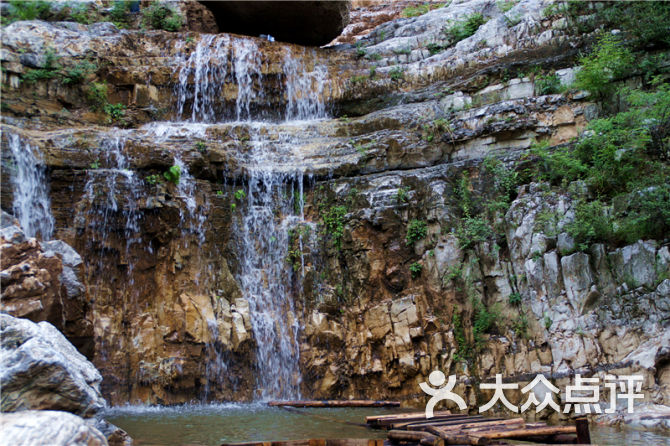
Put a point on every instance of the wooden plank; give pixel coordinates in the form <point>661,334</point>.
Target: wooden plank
<point>583,434</point>
<point>449,422</point>
<point>510,423</point>
<point>528,432</point>
<point>434,421</point>
<point>334,403</point>
<point>396,435</point>
<point>404,416</point>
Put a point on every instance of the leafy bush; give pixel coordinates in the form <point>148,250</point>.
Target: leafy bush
<point>463,29</point>
<point>416,230</point>
<point>472,230</point>
<point>591,224</point>
<point>515,299</point>
<point>76,74</point>
<point>401,195</point>
<point>152,179</point>
<point>397,74</point>
<point>415,11</point>
<point>549,84</point>
<point>506,5</point>
<point>96,94</point>
<point>646,23</point>
<point>609,60</point>
<point>240,194</point>
<point>173,174</point>
<point>483,320</point>
<point>80,14</point>
<point>161,16</point>
<point>119,13</point>
<point>26,10</point>
<point>415,268</point>
<point>50,70</point>
<point>333,219</point>
<point>115,112</point>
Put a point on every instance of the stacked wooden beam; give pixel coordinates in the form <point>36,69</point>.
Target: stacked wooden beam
<point>453,429</point>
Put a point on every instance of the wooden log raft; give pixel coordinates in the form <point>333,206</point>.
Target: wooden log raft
<point>313,442</point>
<point>335,403</point>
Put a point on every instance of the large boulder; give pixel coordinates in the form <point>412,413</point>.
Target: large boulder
<point>55,428</point>
<point>40,369</point>
<point>311,23</point>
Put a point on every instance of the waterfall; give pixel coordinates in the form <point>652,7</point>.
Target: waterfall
<point>31,205</point>
<point>220,65</point>
<point>271,199</point>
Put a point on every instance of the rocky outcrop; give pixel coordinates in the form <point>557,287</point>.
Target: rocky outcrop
<point>41,282</point>
<point>42,370</point>
<point>312,23</point>
<point>55,428</point>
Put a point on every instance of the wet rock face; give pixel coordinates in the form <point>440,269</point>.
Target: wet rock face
<point>50,427</point>
<point>311,23</point>
<point>40,369</point>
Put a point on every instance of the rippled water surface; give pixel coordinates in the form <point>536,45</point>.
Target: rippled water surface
<point>215,424</point>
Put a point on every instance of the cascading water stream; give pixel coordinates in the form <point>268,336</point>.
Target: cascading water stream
<point>272,177</point>
<point>31,204</point>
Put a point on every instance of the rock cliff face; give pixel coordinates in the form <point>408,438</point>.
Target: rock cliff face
<point>384,287</point>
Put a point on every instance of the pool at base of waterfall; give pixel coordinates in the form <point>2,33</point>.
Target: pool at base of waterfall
<point>214,424</point>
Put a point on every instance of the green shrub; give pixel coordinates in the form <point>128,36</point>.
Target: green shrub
<point>415,268</point>
<point>161,16</point>
<point>96,94</point>
<point>483,320</point>
<point>80,14</point>
<point>397,74</point>
<point>463,29</point>
<point>77,74</point>
<point>333,219</point>
<point>549,84</point>
<point>173,174</point>
<point>646,23</point>
<point>472,230</point>
<point>152,179</point>
<point>115,112</point>
<point>240,194</point>
<point>506,5</point>
<point>515,299</point>
<point>609,61</point>
<point>26,10</point>
<point>120,13</point>
<point>592,223</point>
<point>415,11</point>
<point>50,70</point>
<point>416,230</point>
<point>401,195</point>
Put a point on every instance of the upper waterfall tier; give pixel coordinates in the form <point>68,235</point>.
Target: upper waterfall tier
<point>226,78</point>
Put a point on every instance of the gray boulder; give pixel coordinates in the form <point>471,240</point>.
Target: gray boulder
<point>47,427</point>
<point>40,369</point>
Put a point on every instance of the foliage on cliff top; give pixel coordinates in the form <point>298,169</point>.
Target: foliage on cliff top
<point>161,16</point>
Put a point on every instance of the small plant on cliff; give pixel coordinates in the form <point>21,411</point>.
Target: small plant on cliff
<point>415,269</point>
<point>201,147</point>
<point>173,174</point>
<point>402,195</point>
<point>416,230</point>
<point>515,299</point>
<point>115,112</point>
<point>333,220</point>
<point>397,74</point>
<point>161,16</point>
<point>152,179</point>
<point>77,74</point>
<point>240,194</point>
<point>548,84</point>
<point>471,231</point>
<point>462,29</point>
<point>49,70</point>
<point>506,5</point>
